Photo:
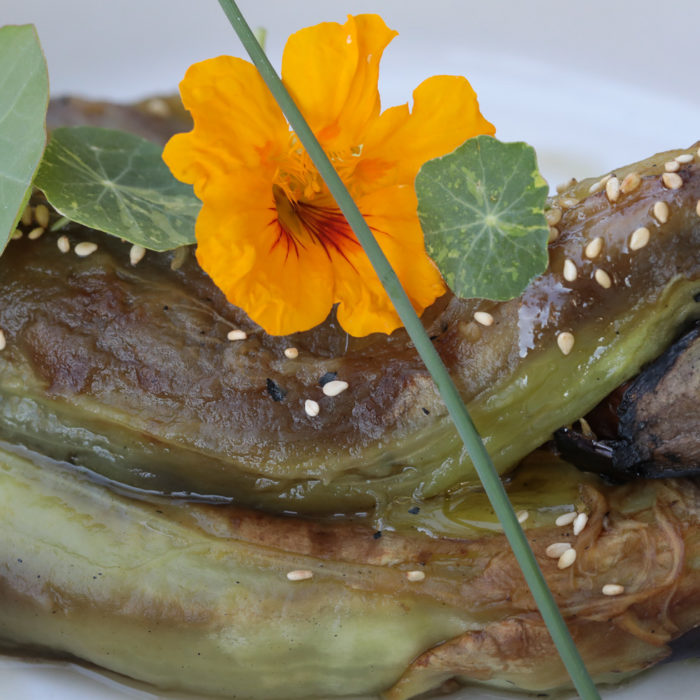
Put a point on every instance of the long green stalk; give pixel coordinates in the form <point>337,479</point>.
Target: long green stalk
<point>458,411</point>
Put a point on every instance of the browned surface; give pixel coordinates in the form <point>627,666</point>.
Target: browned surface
<point>650,427</point>
<point>651,552</point>
<point>660,414</point>
<point>153,341</point>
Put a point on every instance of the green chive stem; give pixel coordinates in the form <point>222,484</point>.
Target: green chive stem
<point>458,411</point>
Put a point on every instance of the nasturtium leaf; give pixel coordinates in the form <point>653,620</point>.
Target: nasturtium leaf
<point>24,98</point>
<point>118,183</point>
<point>482,212</point>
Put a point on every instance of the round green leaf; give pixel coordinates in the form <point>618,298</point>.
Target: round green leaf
<point>118,183</point>
<point>24,98</point>
<point>482,212</point>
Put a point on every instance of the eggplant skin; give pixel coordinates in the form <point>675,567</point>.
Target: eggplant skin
<point>649,427</point>
<point>126,370</point>
<point>196,598</point>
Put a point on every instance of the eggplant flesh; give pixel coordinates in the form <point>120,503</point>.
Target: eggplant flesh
<point>126,371</point>
<point>650,427</point>
<point>195,597</point>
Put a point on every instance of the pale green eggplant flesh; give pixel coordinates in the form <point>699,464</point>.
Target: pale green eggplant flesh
<point>196,597</point>
<point>127,371</point>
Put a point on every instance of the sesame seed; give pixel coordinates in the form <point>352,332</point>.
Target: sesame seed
<point>697,208</point>
<point>602,278</point>
<point>661,212</point>
<point>3,342</point>
<point>698,151</point>
<point>291,353</point>
<point>630,183</point>
<point>63,244</point>
<point>568,202</point>
<point>553,234</point>
<point>36,233</point>
<point>136,253</point>
<point>597,186</point>
<point>672,180</point>
<point>483,317</point>
<point>586,428</point>
<point>612,589</point>
<point>567,559</point>
<point>580,523</point>
<point>554,551</point>
<point>16,234</point>
<point>522,516</point>
<point>570,271</point>
<point>179,257</point>
<point>85,248</point>
<point>414,576</point>
<point>236,334</point>
<point>639,238</point>
<point>672,166</point>
<point>565,519</point>
<point>300,575</point>
<point>612,189</point>
<point>41,215</point>
<point>565,341</point>
<point>311,407</point>
<point>28,215</point>
<point>684,158</point>
<point>553,216</point>
<point>592,250</point>
<point>334,387</point>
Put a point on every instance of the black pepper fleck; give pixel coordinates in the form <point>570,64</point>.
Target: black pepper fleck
<point>275,390</point>
<point>377,534</point>
<point>425,410</point>
<point>414,510</point>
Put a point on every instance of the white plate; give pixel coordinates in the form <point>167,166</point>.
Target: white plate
<point>591,85</point>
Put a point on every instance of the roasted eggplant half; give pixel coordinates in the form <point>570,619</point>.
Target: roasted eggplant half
<point>126,370</point>
<point>217,600</point>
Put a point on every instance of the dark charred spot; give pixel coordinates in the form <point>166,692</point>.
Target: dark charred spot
<point>414,510</point>
<point>327,377</point>
<point>377,535</point>
<point>275,390</point>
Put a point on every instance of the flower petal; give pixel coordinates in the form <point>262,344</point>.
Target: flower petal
<point>236,122</point>
<point>364,305</point>
<point>445,114</point>
<point>237,233</point>
<point>332,70</point>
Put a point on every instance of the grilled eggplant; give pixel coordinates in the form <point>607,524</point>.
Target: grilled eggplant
<point>119,389</point>
<point>223,601</point>
<point>126,370</point>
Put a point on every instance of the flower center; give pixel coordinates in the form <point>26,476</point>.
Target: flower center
<point>306,212</point>
<point>316,222</point>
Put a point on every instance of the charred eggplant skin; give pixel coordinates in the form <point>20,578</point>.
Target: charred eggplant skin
<point>650,426</point>
<point>126,370</point>
<point>195,597</point>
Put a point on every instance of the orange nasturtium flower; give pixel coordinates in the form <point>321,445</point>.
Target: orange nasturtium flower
<point>269,234</point>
